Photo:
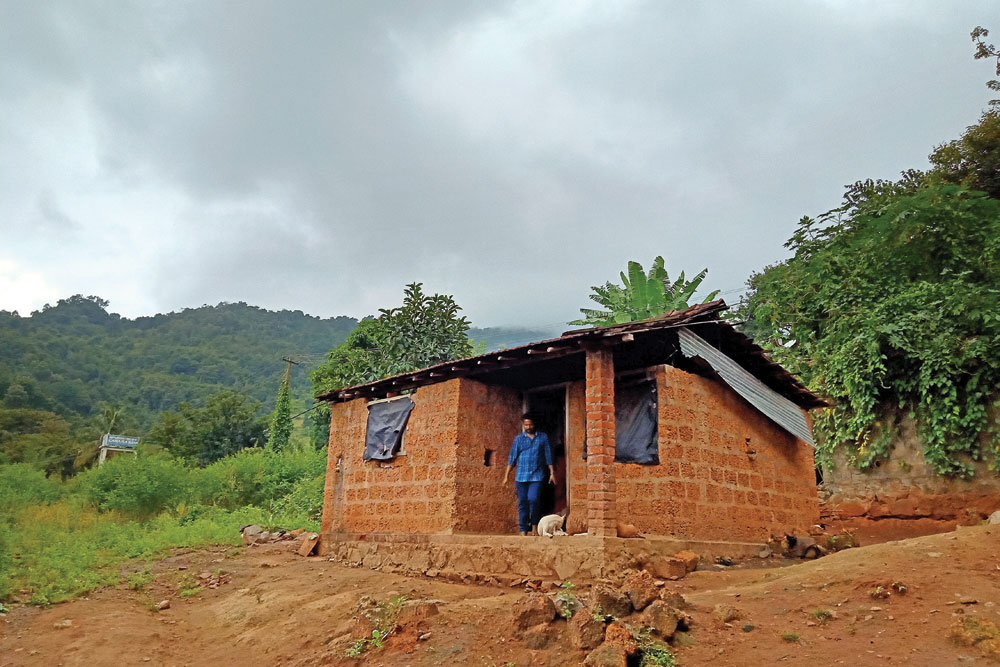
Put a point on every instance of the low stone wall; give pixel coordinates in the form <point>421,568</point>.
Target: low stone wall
<point>903,497</point>
<point>510,559</point>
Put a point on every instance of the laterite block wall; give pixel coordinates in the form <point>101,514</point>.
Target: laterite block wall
<point>415,492</point>
<point>726,471</point>
<point>576,420</point>
<point>488,420</point>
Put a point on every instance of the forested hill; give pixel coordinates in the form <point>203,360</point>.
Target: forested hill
<point>73,357</point>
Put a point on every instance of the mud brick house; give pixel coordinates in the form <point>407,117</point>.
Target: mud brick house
<point>679,425</point>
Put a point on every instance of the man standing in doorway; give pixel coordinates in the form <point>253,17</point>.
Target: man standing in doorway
<point>531,454</point>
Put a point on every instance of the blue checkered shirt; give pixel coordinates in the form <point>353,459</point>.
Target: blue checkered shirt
<point>531,455</point>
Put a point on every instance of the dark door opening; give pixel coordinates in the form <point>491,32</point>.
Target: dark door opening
<point>547,407</point>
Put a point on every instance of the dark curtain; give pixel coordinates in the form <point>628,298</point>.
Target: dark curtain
<point>386,422</point>
<point>635,423</point>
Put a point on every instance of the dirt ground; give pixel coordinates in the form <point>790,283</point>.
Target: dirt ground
<point>272,607</point>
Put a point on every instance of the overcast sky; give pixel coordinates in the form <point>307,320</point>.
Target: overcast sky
<point>318,156</point>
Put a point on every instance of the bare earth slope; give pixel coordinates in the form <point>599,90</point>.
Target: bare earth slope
<point>272,607</point>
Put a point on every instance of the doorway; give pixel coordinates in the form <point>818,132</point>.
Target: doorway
<point>547,407</point>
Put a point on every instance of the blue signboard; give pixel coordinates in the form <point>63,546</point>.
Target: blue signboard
<point>123,441</point>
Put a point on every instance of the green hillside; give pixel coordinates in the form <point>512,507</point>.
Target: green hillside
<point>75,358</point>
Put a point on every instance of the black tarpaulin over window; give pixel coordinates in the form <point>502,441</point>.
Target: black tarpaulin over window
<point>635,423</point>
<point>386,422</point>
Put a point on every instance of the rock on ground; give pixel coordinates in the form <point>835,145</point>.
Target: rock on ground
<point>666,567</point>
<point>619,635</point>
<point>607,656</point>
<point>662,618</point>
<point>689,558</point>
<point>584,631</point>
<point>727,613</point>
<point>640,589</point>
<point>533,610</point>
<point>609,602</point>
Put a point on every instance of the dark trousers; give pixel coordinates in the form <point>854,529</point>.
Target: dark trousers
<point>529,504</point>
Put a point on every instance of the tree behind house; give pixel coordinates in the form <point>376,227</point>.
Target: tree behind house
<point>641,295</point>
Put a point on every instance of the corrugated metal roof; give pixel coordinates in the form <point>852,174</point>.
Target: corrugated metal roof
<point>775,406</point>
<point>572,342</point>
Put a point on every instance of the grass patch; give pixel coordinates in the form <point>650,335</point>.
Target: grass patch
<point>821,615</point>
<point>978,632</point>
<point>59,540</point>
<point>384,619</point>
<point>791,637</point>
<point>138,581</point>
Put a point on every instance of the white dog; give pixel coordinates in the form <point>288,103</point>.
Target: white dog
<point>550,525</point>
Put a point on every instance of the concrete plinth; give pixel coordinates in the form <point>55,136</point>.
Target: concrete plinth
<point>582,559</point>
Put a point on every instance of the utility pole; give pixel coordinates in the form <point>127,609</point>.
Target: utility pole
<point>288,369</point>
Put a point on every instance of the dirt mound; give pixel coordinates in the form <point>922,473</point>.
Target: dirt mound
<point>892,603</point>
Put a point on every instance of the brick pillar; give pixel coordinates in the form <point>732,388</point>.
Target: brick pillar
<point>600,404</point>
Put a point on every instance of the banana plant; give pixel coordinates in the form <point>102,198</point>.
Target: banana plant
<point>641,295</point>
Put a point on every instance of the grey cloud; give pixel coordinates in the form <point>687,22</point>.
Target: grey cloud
<point>512,154</point>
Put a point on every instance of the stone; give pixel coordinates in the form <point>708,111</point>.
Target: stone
<point>413,611</point>
<point>617,634</point>
<point>65,623</point>
<point>765,552</point>
<point>533,610</point>
<point>640,589</point>
<point>994,518</point>
<point>690,559</point>
<point>674,599</point>
<point>607,656</point>
<point>609,602</point>
<point>162,604</point>
<point>662,618</point>
<point>684,639</point>
<point>666,567</point>
<point>251,534</point>
<point>537,637</point>
<point>264,536</point>
<point>727,613</point>
<point>585,632</point>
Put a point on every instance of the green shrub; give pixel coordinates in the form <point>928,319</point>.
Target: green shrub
<point>257,477</point>
<point>22,485</point>
<point>138,486</point>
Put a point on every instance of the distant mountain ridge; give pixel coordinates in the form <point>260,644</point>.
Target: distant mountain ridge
<point>75,356</point>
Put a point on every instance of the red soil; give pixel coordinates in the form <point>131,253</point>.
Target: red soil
<point>281,609</point>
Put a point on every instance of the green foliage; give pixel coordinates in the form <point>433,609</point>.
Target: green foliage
<point>424,331</point>
<point>280,423</point>
<point>790,637</point>
<point>138,486</point>
<point>138,581</point>
<point>892,301</point>
<point>61,539</point>
<point>641,295</point>
<point>38,437</point>
<point>22,485</point>
<point>973,159</point>
<point>385,624</point>
<point>226,424</point>
<point>71,357</point>
<point>260,478</point>
<point>566,601</point>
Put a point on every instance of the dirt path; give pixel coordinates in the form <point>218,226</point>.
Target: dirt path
<point>275,608</point>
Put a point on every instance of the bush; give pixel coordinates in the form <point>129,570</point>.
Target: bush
<point>22,485</point>
<point>138,486</point>
<point>257,477</point>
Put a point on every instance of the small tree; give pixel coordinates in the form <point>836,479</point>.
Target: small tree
<point>641,295</point>
<point>424,331</point>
